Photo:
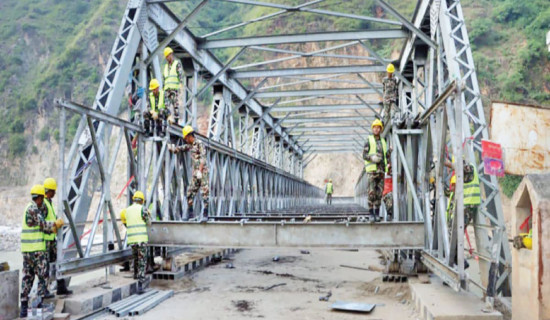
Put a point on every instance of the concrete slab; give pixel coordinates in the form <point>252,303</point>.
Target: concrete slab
<point>435,301</point>
<point>9,294</point>
<point>93,296</point>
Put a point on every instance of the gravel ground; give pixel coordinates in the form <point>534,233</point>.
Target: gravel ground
<point>9,237</point>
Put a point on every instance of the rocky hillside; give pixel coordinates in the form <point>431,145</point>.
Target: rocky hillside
<point>58,48</point>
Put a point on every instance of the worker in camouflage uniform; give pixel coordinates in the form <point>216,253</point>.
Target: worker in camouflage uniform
<point>50,187</point>
<point>200,171</point>
<point>375,154</point>
<point>472,192</point>
<point>136,219</point>
<point>33,247</point>
<point>155,116</point>
<point>390,95</point>
<point>173,83</point>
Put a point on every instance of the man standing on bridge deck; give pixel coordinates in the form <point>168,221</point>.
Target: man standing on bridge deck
<point>136,218</point>
<point>200,171</point>
<point>155,117</point>
<point>328,190</point>
<point>375,154</point>
<point>390,95</point>
<point>50,187</point>
<point>33,247</point>
<point>173,81</point>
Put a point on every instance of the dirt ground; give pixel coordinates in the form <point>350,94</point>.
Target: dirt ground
<point>258,287</point>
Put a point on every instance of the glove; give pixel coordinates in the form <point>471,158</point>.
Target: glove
<point>376,158</point>
<point>59,223</point>
<point>199,175</point>
<point>155,115</point>
<point>171,119</point>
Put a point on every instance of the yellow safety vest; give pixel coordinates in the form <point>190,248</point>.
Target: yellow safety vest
<point>371,166</point>
<point>329,188</point>
<point>51,217</point>
<point>32,238</point>
<point>171,81</point>
<point>472,193</point>
<point>153,101</point>
<point>137,229</point>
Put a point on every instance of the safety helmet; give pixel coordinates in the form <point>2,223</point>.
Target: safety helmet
<point>168,51</point>
<point>38,190</point>
<point>138,195</point>
<point>390,68</point>
<point>187,130</point>
<point>377,122</point>
<point>50,184</point>
<point>329,180</point>
<point>154,84</point>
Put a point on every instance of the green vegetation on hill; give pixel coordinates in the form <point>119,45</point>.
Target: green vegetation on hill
<point>58,48</point>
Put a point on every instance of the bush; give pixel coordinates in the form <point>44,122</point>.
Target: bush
<point>17,144</point>
<point>17,126</point>
<point>509,184</point>
<point>44,133</point>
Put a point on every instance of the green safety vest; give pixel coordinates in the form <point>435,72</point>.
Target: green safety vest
<point>472,193</point>
<point>32,238</point>
<point>449,204</point>
<point>51,217</point>
<point>137,229</point>
<point>171,81</point>
<point>371,166</point>
<point>329,188</point>
<point>153,101</point>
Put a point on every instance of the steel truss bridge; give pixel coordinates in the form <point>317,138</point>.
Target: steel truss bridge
<point>268,121</point>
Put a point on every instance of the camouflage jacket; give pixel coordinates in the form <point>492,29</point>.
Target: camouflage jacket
<point>468,172</point>
<point>390,89</point>
<point>198,155</point>
<point>35,216</point>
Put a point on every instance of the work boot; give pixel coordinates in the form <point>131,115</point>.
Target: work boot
<point>24,309</point>
<point>62,288</point>
<point>377,215</point>
<point>147,126</point>
<point>204,215</point>
<point>48,294</point>
<point>371,214</point>
<point>190,213</point>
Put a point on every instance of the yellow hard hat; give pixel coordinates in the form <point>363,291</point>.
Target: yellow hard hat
<point>187,130</point>
<point>50,184</point>
<point>38,190</point>
<point>377,122</point>
<point>154,84</point>
<point>453,179</point>
<point>123,216</point>
<point>390,68</point>
<point>138,195</point>
<point>168,51</point>
<point>329,180</point>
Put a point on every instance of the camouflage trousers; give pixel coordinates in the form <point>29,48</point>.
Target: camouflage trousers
<point>51,249</point>
<point>375,188</point>
<point>34,264</point>
<point>172,101</point>
<point>139,252</point>
<point>388,202</point>
<point>329,198</point>
<point>389,108</point>
<point>470,213</point>
<point>196,185</point>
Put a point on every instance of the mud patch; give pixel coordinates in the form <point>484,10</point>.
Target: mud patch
<point>285,275</point>
<point>243,305</point>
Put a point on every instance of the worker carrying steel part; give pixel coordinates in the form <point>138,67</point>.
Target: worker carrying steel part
<point>155,117</point>
<point>173,76</point>
<point>50,188</point>
<point>199,180</point>
<point>389,84</point>
<point>329,189</point>
<point>136,219</point>
<point>375,154</point>
<point>33,247</point>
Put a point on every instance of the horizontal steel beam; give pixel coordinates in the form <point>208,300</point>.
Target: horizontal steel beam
<point>265,234</point>
<point>325,119</point>
<point>315,92</point>
<point>321,108</point>
<point>307,71</point>
<point>324,128</point>
<point>303,38</point>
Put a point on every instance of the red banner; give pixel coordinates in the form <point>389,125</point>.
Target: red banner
<point>491,153</point>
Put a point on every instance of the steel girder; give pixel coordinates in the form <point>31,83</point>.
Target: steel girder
<point>322,108</point>
<point>303,38</point>
<point>316,92</point>
<point>307,71</point>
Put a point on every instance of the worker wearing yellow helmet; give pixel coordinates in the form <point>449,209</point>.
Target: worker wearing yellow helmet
<point>33,247</point>
<point>174,78</point>
<point>50,188</point>
<point>375,154</point>
<point>390,94</point>
<point>329,189</point>
<point>199,179</point>
<point>136,219</point>
<point>155,117</point>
